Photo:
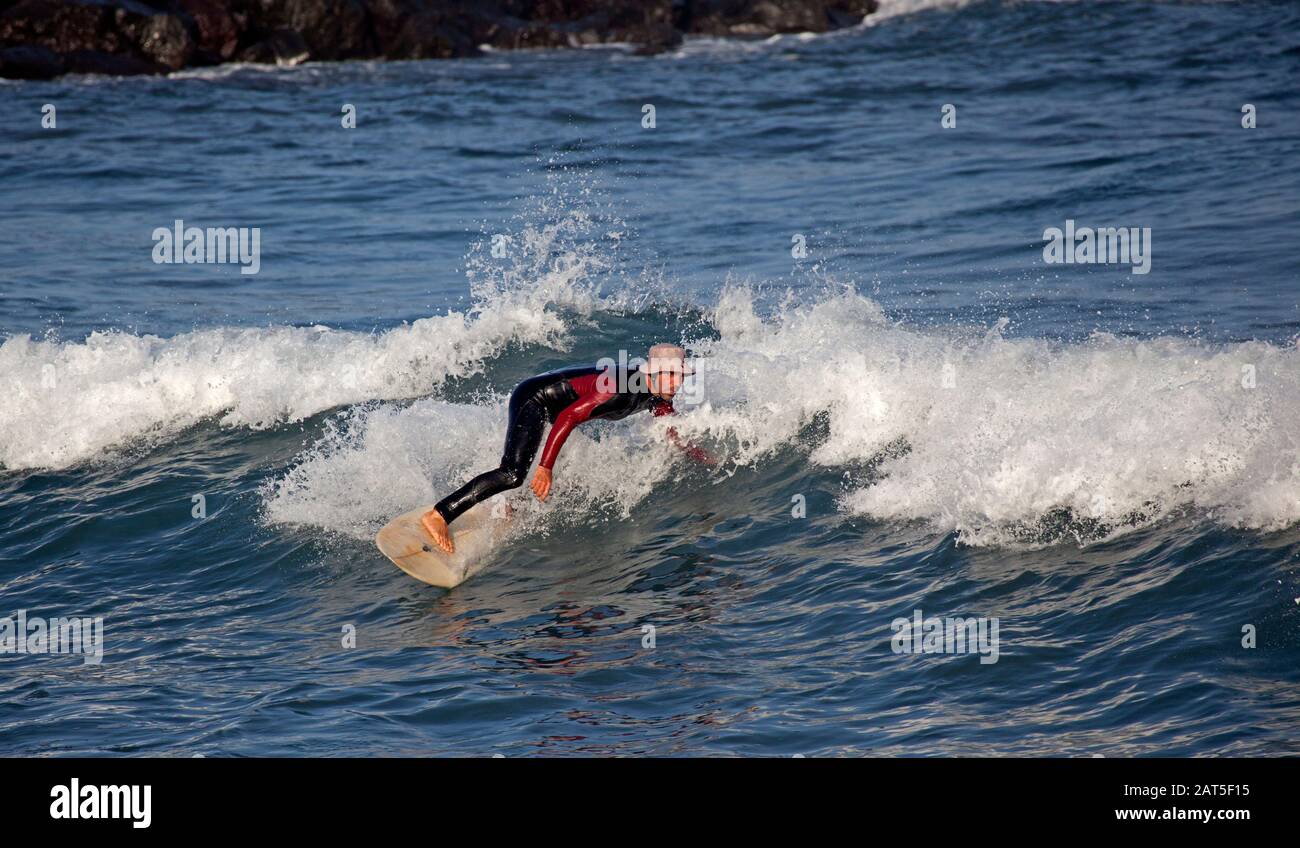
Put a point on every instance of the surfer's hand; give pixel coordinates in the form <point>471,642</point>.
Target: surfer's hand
<point>542,483</point>
<point>698,454</point>
<point>702,456</point>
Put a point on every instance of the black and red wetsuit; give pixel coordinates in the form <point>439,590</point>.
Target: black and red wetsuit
<point>563,398</point>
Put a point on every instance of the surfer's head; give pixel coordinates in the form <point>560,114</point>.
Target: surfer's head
<point>667,369</point>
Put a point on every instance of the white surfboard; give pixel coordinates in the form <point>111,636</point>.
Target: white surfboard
<point>405,541</point>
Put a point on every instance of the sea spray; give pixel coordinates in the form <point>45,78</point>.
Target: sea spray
<point>999,440</point>
<point>73,401</point>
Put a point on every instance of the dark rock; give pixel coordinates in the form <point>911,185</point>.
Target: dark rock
<point>155,36</point>
<point>510,33</point>
<point>387,18</point>
<point>616,14</point>
<point>217,29</point>
<point>652,38</point>
<point>430,35</point>
<point>593,29</point>
<point>856,10</point>
<point>777,16</point>
<point>137,37</point>
<point>59,26</point>
<point>333,29</point>
<point>159,38</point>
<point>282,47</point>
<point>850,14</point>
<point>761,18</point>
<point>30,63</point>
<point>108,64</point>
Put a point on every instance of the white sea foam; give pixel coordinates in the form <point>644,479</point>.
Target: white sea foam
<point>71,401</point>
<point>381,460</point>
<point>999,440</point>
<point>899,8</point>
<point>990,437</point>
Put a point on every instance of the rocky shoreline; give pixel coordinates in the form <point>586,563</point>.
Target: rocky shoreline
<point>43,39</point>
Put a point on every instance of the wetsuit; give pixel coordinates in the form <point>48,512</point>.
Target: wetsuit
<point>563,398</point>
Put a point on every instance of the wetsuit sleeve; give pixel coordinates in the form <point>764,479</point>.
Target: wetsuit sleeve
<point>573,415</point>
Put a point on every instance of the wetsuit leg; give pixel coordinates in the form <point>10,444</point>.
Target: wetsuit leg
<point>527,420</point>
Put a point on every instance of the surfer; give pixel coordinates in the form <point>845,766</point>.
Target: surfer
<point>565,398</point>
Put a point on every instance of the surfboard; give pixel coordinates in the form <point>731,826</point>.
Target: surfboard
<point>405,541</point>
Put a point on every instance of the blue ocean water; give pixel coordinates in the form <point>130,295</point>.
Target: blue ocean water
<point>919,414</point>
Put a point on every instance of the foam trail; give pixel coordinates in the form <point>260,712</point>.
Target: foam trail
<point>380,460</point>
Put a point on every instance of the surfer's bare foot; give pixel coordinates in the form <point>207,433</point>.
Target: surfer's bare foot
<point>437,528</point>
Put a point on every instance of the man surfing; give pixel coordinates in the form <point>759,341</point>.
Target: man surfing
<point>565,398</point>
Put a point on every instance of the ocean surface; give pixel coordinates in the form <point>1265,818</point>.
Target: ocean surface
<point>920,414</point>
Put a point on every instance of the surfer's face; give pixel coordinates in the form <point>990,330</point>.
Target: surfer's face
<point>665,384</point>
